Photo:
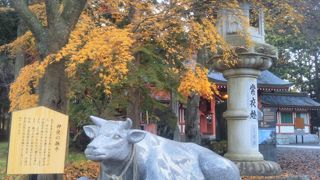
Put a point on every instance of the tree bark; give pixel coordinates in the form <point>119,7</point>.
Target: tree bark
<point>53,88</point>
<point>134,109</point>
<point>20,60</point>
<point>317,78</point>
<point>192,120</point>
<point>134,96</point>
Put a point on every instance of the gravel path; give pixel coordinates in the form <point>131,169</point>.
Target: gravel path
<point>294,161</point>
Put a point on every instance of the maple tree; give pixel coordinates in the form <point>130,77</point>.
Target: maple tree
<point>113,41</point>
<point>49,36</point>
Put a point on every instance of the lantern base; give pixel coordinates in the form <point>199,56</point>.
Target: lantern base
<point>258,168</point>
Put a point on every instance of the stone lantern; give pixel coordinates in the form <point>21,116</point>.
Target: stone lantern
<point>242,104</point>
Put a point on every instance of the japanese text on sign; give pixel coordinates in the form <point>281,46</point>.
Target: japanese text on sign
<point>37,142</point>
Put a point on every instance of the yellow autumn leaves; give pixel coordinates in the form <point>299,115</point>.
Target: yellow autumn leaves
<point>205,34</point>
<point>22,91</point>
<point>108,36</point>
<point>25,43</point>
<point>196,82</point>
<point>107,48</point>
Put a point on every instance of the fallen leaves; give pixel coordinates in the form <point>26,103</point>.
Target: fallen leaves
<point>85,168</point>
<point>300,162</point>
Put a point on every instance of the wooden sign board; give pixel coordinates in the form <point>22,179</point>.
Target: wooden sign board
<point>299,123</point>
<point>38,142</point>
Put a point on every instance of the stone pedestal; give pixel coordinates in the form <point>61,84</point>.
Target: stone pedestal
<point>242,115</point>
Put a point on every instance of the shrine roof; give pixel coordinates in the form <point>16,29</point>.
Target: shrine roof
<point>289,99</point>
<point>267,79</point>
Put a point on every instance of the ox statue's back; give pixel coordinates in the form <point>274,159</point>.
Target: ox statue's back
<point>129,154</point>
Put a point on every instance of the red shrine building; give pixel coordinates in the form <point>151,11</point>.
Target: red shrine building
<point>288,113</point>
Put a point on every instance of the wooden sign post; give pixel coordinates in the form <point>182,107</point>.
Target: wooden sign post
<point>38,142</point>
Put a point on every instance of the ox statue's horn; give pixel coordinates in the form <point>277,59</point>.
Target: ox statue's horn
<point>97,121</point>
<point>128,123</point>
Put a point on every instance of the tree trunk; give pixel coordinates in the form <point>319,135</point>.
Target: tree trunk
<point>8,123</point>
<point>134,109</point>
<point>317,78</point>
<point>53,88</point>
<point>53,85</point>
<point>192,120</point>
<point>53,94</point>
<point>2,121</point>
<point>134,96</point>
<point>20,60</point>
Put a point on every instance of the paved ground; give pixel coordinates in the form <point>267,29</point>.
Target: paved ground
<point>300,160</point>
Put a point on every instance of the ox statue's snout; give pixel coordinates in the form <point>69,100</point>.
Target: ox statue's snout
<point>93,153</point>
<point>92,147</point>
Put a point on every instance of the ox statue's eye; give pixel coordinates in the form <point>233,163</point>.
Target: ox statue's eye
<point>116,136</point>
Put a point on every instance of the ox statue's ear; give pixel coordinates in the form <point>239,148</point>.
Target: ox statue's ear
<point>127,124</point>
<point>91,130</point>
<point>135,136</point>
<point>97,121</point>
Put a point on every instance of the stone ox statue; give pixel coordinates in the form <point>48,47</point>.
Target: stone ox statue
<point>129,154</point>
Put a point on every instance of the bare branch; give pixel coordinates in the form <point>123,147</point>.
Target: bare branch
<point>71,11</point>
<point>52,11</point>
<point>33,23</point>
